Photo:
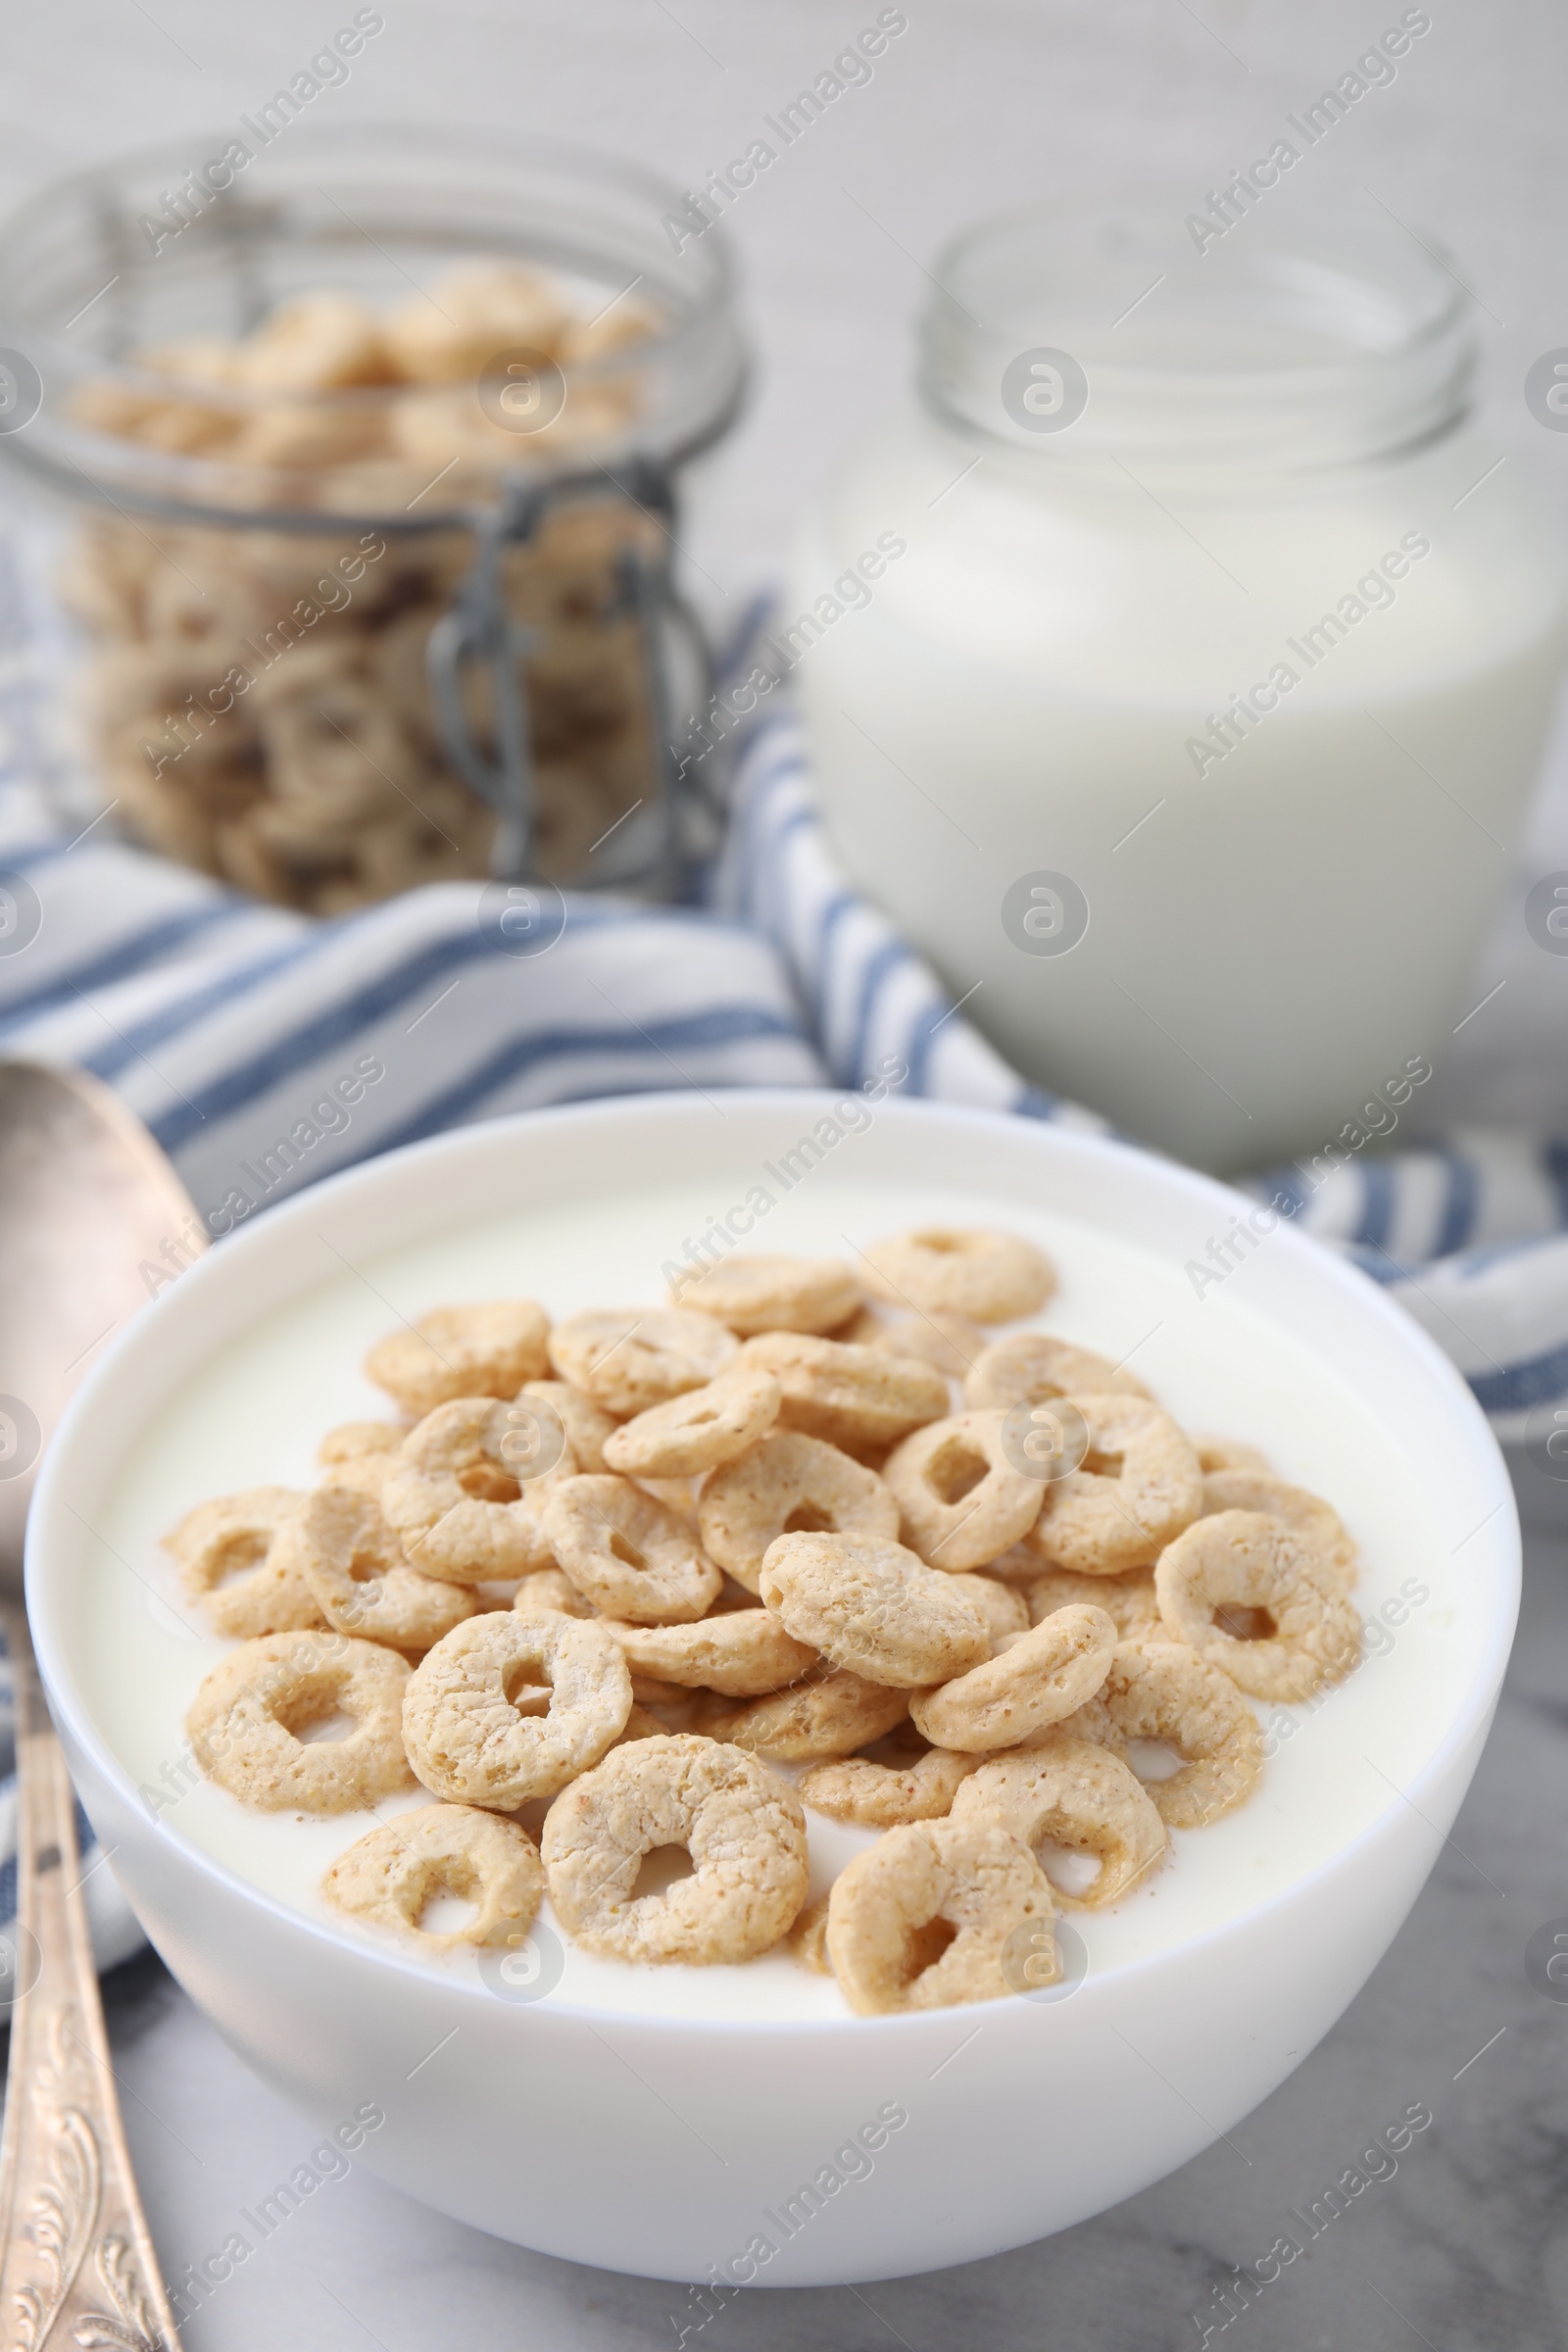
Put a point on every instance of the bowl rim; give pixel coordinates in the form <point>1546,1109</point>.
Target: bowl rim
<point>1360,1293</point>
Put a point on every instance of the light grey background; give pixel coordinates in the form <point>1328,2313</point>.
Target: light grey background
<point>975,108</point>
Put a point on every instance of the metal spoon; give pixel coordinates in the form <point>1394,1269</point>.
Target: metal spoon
<point>93,1220</point>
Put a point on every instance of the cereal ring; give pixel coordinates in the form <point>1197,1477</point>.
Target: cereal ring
<point>921,1919</point>
<point>1164,1691</point>
<point>885,1796</point>
<point>628,1554</point>
<point>461,1514</point>
<point>462,1726</point>
<point>248,1715</point>
<point>355,1566</point>
<point>361,1454</point>
<point>1004,1610</point>
<point>951,1343</point>
<point>743,1653</point>
<point>861,1399</point>
<point>1227,1453</point>
<point>483,1350</point>
<point>740,1825</point>
<point>1038,1679</point>
<point>788,1485</point>
<point>807,1939</point>
<point>870,1605</point>
<point>626,1362</point>
<point>1129,1600</point>
<point>1030,1366</point>
<point>697,1431</point>
<point>1252,1598</point>
<point>828,1714</point>
<point>229,1553</point>
<point>586,1427</point>
<point>550,1593</point>
<point>955,1270</point>
<point>390,1876</point>
<point>961,1499</point>
<point>1073,1793</point>
<point>1136,1489</point>
<point>1305,1514</point>
<point>773,1293</point>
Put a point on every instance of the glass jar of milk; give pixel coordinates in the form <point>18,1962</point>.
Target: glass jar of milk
<point>1193,731</point>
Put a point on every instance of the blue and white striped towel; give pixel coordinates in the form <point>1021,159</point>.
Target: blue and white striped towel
<point>225,1024</point>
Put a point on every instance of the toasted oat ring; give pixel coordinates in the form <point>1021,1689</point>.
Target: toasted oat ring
<point>872,1606</point>
<point>1038,1679</point>
<point>773,1293</point>
<point>586,1427</point>
<point>388,1877</point>
<point>550,1593</point>
<point>627,1361</point>
<point>1305,1514</point>
<point>241,1532</point>
<point>788,1484</point>
<point>1073,1793</point>
<point>1099,1524</point>
<point>807,1939</point>
<point>483,1350</point>
<point>1005,1609</point>
<point>1128,1598</point>
<point>1164,1691</point>
<point>740,1825</point>
<point>822,1715</point>
<point>951,1343</point>
<point>697,1431</point>
<point>1227,1453</point>
<point>247,1715</point>
<point>360,1453</point>
<point>628,1554</point>
<point>962,1500</point>
<point>959,1270</point>
<point>744,1653</point>
<point>884,1912</point>
<point>1030,1366</point>
<point>885,1796</point>
<point>861,1399</point>
<point>354,1564</point>
<point>1239,1562</point>
<point>462,1726</point>
<point>461,1513</point>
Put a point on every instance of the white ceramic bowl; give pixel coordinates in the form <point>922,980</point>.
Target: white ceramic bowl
<point>670,2146</point>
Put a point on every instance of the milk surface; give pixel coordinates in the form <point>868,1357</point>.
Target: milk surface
<point>254,1414</point>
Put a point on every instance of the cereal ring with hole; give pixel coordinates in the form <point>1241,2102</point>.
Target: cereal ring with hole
<point>959,1270</point>
<point>249,1721</point>
<point>483,1350</point>
<point>697,1431</point>
<point>550,1593</point>
<point>1304,1514</point>
<point>1136,1489</point>
<point>952,1344</point>
<point>628,1554</point>
<point>861,1399</point>
<point>1073,1792</point>
<point>961,1499</point>
<point>360,1455</point>
<point>740,1825</point>
<point>824,1714</point>
<point>744,1653</point>
<point>355,1565</point>
<point>1164,1691</point>
<point>1038,1678</point>
<point>885,1796</point>
<point>1029,1367</point>
<point>761,1293</point>
<point>586,1427</point>
<point>1005,1609</point>
<point>1129,1600</point>
<point>788,1485</point>
<point>873,1606</point>
<point>1227,1453</point>
<point>390,1876</point>
<point>920,1919</point>
<point>464,1723</point>
<point>807,1940</point>
<point>627,1361</point>
<point>461,1513</point>
<point>229,1551</point>
<point>1252,1598</point>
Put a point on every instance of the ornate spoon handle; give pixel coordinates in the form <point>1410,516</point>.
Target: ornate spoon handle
<point>77,2265</point>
